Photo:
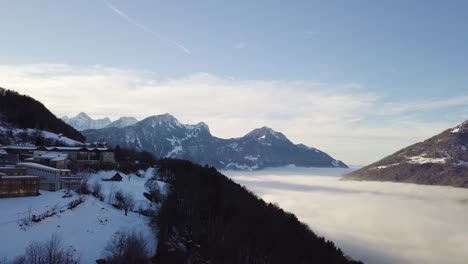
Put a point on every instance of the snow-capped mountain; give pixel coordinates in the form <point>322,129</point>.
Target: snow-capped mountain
<point>165,136</point>
<point>123,122</point>
<point>440,160</point>
<point>82,122</point>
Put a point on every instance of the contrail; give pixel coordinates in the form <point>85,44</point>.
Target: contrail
<point>145,28</point>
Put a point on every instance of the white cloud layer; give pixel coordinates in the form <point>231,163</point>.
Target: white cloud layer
<point>376,222</point>
<point>342,119</point>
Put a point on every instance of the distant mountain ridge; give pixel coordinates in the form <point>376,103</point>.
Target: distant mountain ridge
<point>439,160</point>
<point>164,136</point>
<point>24,112</point>
<point>82,121</point>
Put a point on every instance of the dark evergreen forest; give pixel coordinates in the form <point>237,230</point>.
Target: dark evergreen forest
<point>22,111</point>
<point>208,218</point>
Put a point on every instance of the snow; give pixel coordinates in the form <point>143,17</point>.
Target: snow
<point>237,166</point>
<point>59,138</point>
<point>252,158</point>
<point>87,228</point>
<point>336,163</point>
<point>385,166</point>
<point>235,146</point>
<point>39,166</point>
<point>130,184</point>
<point>423,160</point>
<point>44,133</point>
<point>54,156</point>
<point>461,163</point>
<point>262,137</point>
<point>455,130</point>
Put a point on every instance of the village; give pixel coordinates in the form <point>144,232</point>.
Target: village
<point>24,170</point>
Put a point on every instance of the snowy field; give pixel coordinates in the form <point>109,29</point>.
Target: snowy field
<point>87,228</point>
<point>377,222</point>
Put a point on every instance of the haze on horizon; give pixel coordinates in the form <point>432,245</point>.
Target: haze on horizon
<point>358,80</point>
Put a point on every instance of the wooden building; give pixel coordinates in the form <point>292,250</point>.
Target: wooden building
<point>17,186</point>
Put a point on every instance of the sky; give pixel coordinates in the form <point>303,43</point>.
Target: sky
<point>357,79</point>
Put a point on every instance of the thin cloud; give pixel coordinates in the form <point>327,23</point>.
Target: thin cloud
<point>340,119</point>
<point>145,28</point>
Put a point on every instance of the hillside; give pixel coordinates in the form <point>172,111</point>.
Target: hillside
<point>208,218</point>
<point>165,136</point>
<point>439,160</point>
<point>21,111</point>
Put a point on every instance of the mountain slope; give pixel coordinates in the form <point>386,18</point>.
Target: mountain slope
<point>21,111</point>
<point>123,122</point>
<point>165,136</point>
<point>440,160</point>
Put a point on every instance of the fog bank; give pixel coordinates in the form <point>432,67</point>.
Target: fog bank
<point>377,222</point>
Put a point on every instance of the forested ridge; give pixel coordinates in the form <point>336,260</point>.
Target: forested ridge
<point>208,218</point>
<point>22,111</point>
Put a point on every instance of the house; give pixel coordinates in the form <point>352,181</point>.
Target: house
<point>70,183</point>
<point>17,186</point>
<point>78,156</point>
<point>49,177</point>
<point>7,158</point>
<point>53,159</point>
<point>83,156</point>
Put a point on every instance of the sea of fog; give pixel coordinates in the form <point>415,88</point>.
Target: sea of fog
<point>376,222</point>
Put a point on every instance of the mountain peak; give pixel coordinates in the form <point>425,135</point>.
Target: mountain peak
<point>164,118</point>
<point>83,115</point>
<point>266,132</point>
<point>83,121</point>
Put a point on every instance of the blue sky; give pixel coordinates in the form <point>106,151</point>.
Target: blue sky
<point>409,57</point>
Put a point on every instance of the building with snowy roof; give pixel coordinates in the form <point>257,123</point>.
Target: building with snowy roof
<point>49,176</point>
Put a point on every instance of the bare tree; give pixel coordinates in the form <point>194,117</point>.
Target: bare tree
<point>52,251</point>
<point>154,189</point>
<point>124,201</point>
<point>96,190</point>
<point>127,248</point>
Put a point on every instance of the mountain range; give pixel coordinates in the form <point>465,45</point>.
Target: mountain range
<point>440,160</point>
<point>164,136</point>
<point>83,122</point>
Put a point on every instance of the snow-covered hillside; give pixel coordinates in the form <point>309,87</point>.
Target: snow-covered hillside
<point>130,184</point>
<point>87,228</point>
<point>17,133</point>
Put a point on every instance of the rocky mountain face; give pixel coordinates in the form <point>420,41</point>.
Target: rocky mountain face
<point>440,160</point>
<point>165,136</point>
<point>123,122</point>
